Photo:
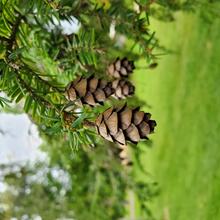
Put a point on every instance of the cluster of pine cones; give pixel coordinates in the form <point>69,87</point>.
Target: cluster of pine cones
<point>93,91</point>
<point>117,125</point>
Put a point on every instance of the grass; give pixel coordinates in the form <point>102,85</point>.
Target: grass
<point>184,95</point>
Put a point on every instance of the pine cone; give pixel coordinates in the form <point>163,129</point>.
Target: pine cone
<point>91,91</point>
<point>121,68</point>
<point>124,124</point>
<point>123,88</point>
<point>124,155</point>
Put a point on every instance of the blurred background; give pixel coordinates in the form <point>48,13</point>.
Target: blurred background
<point>42,178</point>
<point>184,95</point>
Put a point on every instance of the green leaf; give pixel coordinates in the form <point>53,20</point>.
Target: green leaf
<point>19,97</point>
<point>16,92</point>
<point>14,55</point>
<point>2,104</point>
<point>34,110</point>
<point>4,101</point>
<point>79,120</point>
<point>92,36</point>
<point>56,128</point>
<point>73,141</point>
<point>27,104</point>
<point>49,117</point>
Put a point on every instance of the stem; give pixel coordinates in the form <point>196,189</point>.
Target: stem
<point>12,38</point>
<point>88,124</point>
<point>4,39</point>
<point>32,92</point>
<point>44,81</point>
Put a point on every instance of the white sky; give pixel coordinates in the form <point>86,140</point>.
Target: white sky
<point>19,141</point>
<point>67,27</point>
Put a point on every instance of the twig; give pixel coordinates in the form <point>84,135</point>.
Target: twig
<point>35,95</point>
<point>88,124</point>
<point>12,38</point>
<point>44,81</point>
<point>4,38</point>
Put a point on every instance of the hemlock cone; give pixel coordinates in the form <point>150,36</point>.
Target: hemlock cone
<point>38,56</point>
<point>124,155</point>
<point>124,124</point>
<point>91,91</point>
<point>121,68</point>
<point>123,88</point>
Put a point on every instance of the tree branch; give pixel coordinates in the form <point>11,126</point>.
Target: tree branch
<point>12,38</point>
<point>44,81</point>
<point>33,93</point>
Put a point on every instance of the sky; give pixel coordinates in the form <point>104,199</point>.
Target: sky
<point>19,139</point>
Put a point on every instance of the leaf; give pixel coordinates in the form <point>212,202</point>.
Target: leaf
<point>89,136</point>
<point>2,104</point>
<point>73,141</point>
<point>4,101</point>
<point>20,86</point>
<point>16,92</point>
<point>48,117</point>
<point>79,120</point>
<point>35,104</point>
<point>19,97</point>
<point>92,36</point>
<point>15,54</point>
<point>27,104</point>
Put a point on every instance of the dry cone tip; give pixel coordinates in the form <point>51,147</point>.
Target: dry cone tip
<point>121,68</point>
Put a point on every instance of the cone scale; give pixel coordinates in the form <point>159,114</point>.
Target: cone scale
<point>122,89</point>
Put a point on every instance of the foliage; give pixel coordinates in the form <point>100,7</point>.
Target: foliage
<point>185,161</point>
<point>38,58</point>
<point>74,185</point>
<point>165,10</point>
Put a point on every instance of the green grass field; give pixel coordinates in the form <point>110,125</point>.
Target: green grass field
<point>184,95</point>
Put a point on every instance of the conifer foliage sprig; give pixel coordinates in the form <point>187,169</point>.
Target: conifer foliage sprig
<point>59,79</point>
<point>38,59</point>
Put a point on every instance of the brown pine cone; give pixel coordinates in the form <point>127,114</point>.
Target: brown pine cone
<point>91,91</point>
<point>124,124</point>
<point>121,68</point>
<point>124,155</point>
<point>123,88</point>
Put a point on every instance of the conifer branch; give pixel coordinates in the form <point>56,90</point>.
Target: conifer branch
<point>32,92</point>
<point>12,38</point>
<point>56,89</point>
<point>88,124</point>
<point>4,39</point>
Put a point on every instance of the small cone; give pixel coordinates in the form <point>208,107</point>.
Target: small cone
<point>91,91</point>
<point>124,155</point>
<point>124,124</point>
<point>123,89</point>
<point>120,68</point>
